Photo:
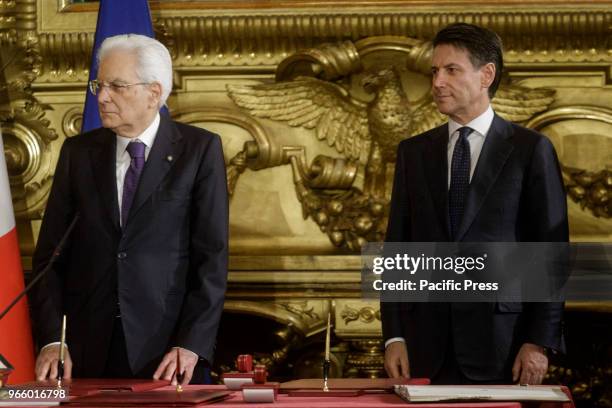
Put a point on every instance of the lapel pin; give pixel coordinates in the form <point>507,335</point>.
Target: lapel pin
<point>169,158</point>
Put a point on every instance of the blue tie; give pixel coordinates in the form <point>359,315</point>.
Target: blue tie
<point>460,180</point>
<point>136,149</point>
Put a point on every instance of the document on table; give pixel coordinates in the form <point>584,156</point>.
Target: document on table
<point>431,393</point>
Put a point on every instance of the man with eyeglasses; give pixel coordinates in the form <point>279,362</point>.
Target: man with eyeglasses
<point>143,275</point>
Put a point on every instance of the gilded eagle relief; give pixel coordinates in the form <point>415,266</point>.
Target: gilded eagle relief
<point>355,97</point>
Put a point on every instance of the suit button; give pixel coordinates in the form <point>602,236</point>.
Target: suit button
<point>121,255</point>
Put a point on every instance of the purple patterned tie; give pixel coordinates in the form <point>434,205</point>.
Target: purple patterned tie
<point>136,149</point>
<point>460,180</point>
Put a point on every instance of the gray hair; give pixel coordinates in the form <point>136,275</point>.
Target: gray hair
<point>154,61</point>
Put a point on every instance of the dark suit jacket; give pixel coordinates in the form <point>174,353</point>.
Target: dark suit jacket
<point>516,194</point>
<point>166,268</point>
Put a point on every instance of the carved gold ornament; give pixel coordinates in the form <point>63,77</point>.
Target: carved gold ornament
<point>363,113</point>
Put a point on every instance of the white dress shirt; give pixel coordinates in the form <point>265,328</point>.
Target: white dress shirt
<point>481,126</point>
<point>123,157</point>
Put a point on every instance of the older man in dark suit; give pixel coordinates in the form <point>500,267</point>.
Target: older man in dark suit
<point>477,178</point>
<point>144,272</point>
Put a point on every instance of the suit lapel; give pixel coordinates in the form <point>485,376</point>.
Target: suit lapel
<point>164,153</point>
<point>495,152</point>
<point>436,170</point>
<point>103,162</point>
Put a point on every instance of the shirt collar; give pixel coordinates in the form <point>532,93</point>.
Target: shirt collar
<point>147,136</point>
<point>480,124</point>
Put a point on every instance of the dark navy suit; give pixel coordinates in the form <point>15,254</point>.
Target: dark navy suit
<point>516,194</point>
<point>164,271</point>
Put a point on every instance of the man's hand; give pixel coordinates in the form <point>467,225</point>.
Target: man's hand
<point>167,367</point>
<point>530,365</point>
<point>396,360</point>
<point>46,363</point>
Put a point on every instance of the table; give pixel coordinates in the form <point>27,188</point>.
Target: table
<point>362,401</point>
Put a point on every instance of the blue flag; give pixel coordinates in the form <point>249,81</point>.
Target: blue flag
<point>114,17</point>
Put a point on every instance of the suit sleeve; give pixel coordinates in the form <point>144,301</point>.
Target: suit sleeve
<point>398,230</point>
<point>207,278</point>
<point>545,220</point>
<point>45,298</point>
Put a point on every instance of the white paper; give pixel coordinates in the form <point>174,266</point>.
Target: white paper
<point>426,393</point>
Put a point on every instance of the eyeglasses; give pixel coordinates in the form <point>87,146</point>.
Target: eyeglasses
<point>114,87</point>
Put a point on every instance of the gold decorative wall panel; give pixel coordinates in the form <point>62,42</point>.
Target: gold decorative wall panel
<point>293,168</point>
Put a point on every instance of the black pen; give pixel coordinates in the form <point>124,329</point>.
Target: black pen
<point>179,372</point>
<point>326,362</point>
<point>60,364</point>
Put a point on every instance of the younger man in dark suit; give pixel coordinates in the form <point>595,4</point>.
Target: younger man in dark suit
<point>144,271</point>
<point>477,178</point>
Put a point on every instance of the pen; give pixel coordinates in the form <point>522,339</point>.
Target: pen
<point>179,372</point>
<point>60,364</point>
<point>326,362</point>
